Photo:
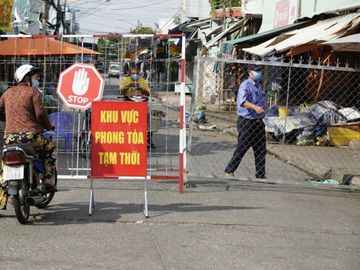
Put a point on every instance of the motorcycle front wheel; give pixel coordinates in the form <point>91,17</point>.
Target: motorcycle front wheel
<point>21,207</point>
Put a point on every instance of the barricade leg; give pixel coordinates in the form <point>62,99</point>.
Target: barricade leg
<point>92,199</point>
<point>146,210</point>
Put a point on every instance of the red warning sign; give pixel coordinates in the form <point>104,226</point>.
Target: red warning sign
<point>118,139</point>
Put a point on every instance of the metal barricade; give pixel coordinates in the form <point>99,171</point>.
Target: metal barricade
<point>157,58</point>
<point>312,119</point>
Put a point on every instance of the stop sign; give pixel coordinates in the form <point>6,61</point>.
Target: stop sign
<point>79,85</point>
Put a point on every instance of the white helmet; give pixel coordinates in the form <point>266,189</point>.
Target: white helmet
<point>24,70</point>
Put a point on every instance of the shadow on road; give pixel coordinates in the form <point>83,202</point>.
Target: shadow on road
<point>107,212</point>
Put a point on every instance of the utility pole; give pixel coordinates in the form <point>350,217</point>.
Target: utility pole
<point>45,16</point>
<point>73,23</point>
<point>63,19</point>
<point>66,21</point>
<point>182,8</point>
<point>58,17</point>
<point>223,18</point>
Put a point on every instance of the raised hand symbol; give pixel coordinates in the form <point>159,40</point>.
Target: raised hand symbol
<point>81,82</point>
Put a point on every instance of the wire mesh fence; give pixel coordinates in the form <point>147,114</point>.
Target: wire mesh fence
<point>157,60</point>
<point>312,111</point>
<point>311,120</point>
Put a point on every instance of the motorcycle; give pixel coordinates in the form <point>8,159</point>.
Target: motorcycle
<point>154,116</point>
<point>23,180</point>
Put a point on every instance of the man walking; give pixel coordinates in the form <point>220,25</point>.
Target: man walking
<point>251,129</point>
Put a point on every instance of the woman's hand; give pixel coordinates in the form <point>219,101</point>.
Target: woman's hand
<point>134,84</point>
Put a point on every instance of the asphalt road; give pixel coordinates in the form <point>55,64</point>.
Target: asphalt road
<point>220,224</point>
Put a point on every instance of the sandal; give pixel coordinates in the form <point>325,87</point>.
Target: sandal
<point>50,185</point>
<point>3,200</point>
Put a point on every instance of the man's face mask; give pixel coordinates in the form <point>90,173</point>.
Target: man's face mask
<point>257,75</point>
<point>134,77</point>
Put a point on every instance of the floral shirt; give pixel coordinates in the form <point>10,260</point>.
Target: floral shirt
<point>24,110</point>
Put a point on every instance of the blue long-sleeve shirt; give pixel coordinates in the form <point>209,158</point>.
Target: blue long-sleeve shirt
<point>252,92</point>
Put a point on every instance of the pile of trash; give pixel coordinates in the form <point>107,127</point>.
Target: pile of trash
<point>311,121</point>
<point>199,117</point>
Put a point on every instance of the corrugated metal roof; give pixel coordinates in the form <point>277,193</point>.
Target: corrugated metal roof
<point>204,23</point>
<point>226,47</point>
<point>349,43</point>
<point>321,31</point>
<point>213,31</point>
<point>226,32</point>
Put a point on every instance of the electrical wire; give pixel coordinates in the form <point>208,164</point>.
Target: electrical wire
<point>94,5</point>
<point>126,10</point>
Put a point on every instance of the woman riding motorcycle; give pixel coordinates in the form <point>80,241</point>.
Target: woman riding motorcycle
<point>26,119</point>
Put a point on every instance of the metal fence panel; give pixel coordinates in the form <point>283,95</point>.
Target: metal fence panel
<point>158,61</point>
<point>312,115</point>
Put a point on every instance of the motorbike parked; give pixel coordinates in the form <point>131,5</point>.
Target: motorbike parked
<point>23,180</point>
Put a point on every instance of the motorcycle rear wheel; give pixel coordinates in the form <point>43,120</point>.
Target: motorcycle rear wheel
<point>21,207</point>
<point>48,196</point>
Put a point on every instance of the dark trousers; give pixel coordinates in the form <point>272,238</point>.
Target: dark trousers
<point>251,133</point>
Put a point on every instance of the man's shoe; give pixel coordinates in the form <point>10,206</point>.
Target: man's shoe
<point>229,174</point>
<point>261,177</point>
<point>189,185</point>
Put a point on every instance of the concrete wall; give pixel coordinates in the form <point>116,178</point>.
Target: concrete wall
<point>253,7</point>
<point>310,8</point>
<point>197,9</point>
<point>277,13</point>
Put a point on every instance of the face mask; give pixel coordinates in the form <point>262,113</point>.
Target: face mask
<point>36,84</point>
<point>256,75</point>
<point>134,77</point>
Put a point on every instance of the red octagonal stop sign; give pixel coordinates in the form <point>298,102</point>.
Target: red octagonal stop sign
<point>79,85</point>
